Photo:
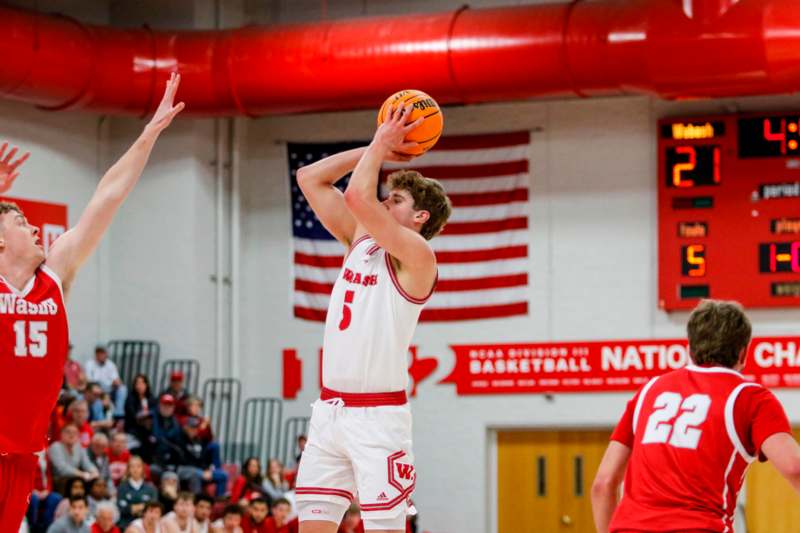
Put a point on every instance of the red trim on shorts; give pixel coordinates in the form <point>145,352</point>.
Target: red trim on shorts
<point>390,504</point>
<point>325,492</point>
<point>403,293</point>
<point>365,399</point>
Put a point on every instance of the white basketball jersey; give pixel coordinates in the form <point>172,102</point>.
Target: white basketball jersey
<point>369,326</point>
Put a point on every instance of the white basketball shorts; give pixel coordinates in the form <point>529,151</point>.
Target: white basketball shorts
<point>360,454</point>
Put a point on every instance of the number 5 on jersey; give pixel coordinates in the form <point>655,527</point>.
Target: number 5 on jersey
<point>685,432</point>
<point>347,313</point>
<point>31,338</point>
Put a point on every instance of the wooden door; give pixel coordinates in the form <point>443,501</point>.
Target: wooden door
<point>544,480</point>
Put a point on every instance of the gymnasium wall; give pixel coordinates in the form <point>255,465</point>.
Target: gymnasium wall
<point>592,247</point>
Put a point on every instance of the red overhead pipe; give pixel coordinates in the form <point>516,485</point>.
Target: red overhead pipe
<point>671,48</point>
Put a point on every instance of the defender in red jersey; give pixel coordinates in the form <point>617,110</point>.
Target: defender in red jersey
<point>688,436</point>
<point>34,336</point>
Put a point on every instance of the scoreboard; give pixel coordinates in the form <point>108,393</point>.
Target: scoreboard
<point>729,210</point>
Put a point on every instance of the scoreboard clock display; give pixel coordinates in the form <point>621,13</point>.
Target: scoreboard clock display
<point>729,210</point>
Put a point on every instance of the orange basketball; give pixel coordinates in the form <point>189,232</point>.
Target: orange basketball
<point>427,133</point>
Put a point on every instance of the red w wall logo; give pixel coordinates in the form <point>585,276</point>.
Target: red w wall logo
<point>404,471</point>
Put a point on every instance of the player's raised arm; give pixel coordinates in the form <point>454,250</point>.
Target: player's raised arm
<point>605,488</point>
<point>317,183</point>
<point>784,452</point>
<point>74,247</point>
<point>403,243</point>
<point>8,167</point>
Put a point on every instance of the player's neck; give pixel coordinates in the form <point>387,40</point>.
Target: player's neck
<point>16,272</point>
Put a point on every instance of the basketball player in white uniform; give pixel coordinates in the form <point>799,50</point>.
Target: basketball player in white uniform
<point>359,441</point>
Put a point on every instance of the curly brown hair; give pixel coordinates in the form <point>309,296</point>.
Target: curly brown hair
<point>718,332</point>
<point>428,195</point>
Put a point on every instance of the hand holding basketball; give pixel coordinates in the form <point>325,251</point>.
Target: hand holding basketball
<point>391,135</point>
<point>424,135</point>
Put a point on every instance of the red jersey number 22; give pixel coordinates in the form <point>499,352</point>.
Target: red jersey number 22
<point>347,313</point>
<point>685,431</point>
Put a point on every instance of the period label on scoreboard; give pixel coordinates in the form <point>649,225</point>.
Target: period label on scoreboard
<point>603,366</point>
<point>729,210</point>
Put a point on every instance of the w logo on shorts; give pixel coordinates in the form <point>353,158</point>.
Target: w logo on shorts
<point>404,471</point>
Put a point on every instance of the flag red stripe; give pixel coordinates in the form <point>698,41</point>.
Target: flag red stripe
<point>305,285</point>
<point>485,226</point>
<point>320,261</point>
<point>453,172</point>
<point>444,285</point>
<point>472,313</point>
<point>439,315</point>
<point>488,198</point>
<point>444,257</point>
<point>477,284</point>
<point>489,254</point>
<point>474,142</point>
<point>310,313</point>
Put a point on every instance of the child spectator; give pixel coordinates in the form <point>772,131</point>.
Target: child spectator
<point>134,493</point>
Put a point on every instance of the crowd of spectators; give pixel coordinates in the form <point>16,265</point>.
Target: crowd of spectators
<point>131,461</point>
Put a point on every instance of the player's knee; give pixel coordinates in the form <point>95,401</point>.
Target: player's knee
<point>319,516</point>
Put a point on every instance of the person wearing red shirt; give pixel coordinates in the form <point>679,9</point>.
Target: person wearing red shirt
<point>118,457</point>
<point>250,483</point>
<point>255,518</point>
<point>33,325</point>
<point>105,516</point>
<point>279,521</point>
<point>686,439</point>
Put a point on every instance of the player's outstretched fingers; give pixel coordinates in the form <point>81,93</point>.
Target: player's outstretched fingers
<point>10,155</point>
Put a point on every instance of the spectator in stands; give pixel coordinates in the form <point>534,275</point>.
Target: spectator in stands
<point>168,433</point>
<point>144,442</point>
<point>74,377</point>
<point>274,483</point>
<point>249,484</point>
<point>94,399</point>
<point>279,521</point>
<point>69,459</point>
<point>255,518</point>
<point>202,512</point>
<point>351,522</point>
<point>98,493</point>
<point>74,487</point>
<point>44,499</point>
<point>75,520</point>
<point>149,523</point>
<point>105,518</point>
<point>181,519</point>
<point>301,446</point>
<point>168,490</point>
<point>140,400</point>
<point>78,414</point>
<point>103,371</point>
<point>194,407</point>
<point>230,522</point>
<point>177,390</point>
<point>197,465</point>
<point>118,457</point>
<point>98,455</point>
<point>134,492</point>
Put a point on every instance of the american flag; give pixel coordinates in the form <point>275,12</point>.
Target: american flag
<point>482,253</point>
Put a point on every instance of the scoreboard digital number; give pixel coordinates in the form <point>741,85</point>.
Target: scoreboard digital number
<point>729,210</point>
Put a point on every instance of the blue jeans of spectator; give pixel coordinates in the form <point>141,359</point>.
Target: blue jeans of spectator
<point>47,506</point>
<point>216,456</point>
<point>119,394</point>
<point>194,476</point>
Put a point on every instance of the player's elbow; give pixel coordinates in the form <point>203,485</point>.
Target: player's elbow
<point>791,471</point>
<point>354,198</point>
<point>604,486</point>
